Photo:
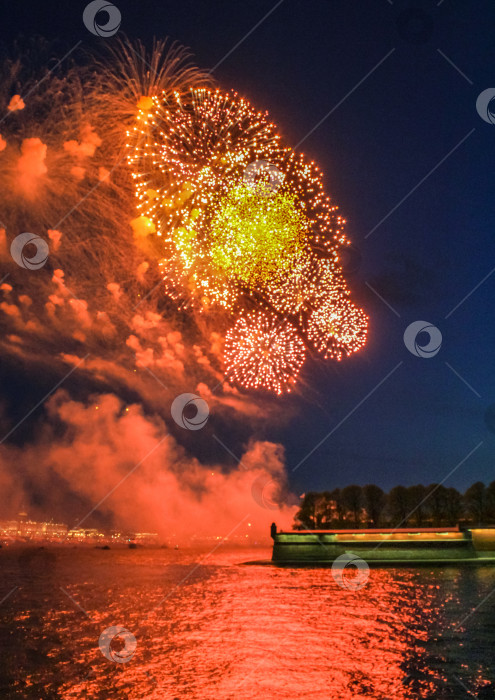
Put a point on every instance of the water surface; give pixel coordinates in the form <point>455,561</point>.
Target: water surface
<point>207,627</point>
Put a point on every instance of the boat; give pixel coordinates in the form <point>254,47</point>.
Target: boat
<point>385,546</point>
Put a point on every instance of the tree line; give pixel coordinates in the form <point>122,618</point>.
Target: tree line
<point>403,506</point>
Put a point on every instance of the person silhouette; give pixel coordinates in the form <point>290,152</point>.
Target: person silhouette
<point>273,530</point>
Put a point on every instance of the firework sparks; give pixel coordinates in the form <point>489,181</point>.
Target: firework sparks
<point>232,242</point>
<point>236,224</point>
<point>255,237</point>
<point>264,353</point>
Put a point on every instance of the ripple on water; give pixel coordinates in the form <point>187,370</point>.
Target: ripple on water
<point>222,631</point>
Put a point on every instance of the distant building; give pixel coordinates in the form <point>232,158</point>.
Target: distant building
<point>86,534</point>
<point>25,529</point>
<point>146,537</point>
<point>22,529</point>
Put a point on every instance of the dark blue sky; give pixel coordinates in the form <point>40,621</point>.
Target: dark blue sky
<point>374,148</point>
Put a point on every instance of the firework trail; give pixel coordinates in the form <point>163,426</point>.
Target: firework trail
<point>63,175</point>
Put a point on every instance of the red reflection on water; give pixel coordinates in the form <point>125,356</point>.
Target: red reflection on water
<point>223,631</point>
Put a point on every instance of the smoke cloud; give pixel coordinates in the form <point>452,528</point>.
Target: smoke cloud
<point>96,321</point>
<point>110,451</point>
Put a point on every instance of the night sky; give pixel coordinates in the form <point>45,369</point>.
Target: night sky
<point>410,163</point>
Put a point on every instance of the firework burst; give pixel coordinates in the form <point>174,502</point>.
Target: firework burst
<point>263,352</point>
<point>236,225</point>
<point>232,241</point>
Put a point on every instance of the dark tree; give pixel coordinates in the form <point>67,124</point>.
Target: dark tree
<point>433,505</point>
<point>339,512</point>
<point>398,505</point>
<point>475,502</point>
<point>352,500</point>
<point>416,498</point>
<point>316,511</point>
<point>374,503</point>
<point>453,506</point>
<point>490,503</point>
<point>305,518</point>
<point>325,514</point>
<point>437,503</point>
